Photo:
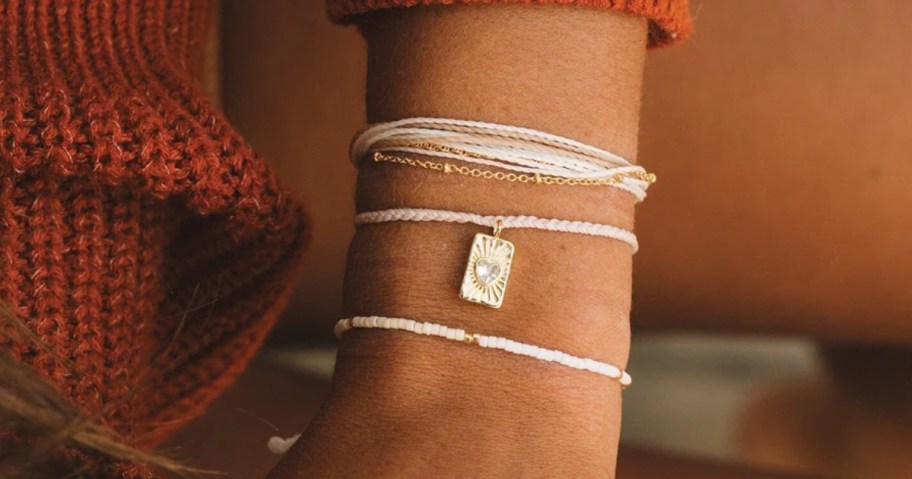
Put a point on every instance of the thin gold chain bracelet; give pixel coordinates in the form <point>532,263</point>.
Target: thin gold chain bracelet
<point>510,176</point>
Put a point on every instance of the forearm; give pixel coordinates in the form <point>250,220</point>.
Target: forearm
<point>403,403</point>
<point>569,71</point>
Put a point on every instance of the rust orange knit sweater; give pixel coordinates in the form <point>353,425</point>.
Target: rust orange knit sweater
<point>140,237</point>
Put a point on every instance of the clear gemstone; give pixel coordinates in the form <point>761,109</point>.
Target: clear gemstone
<point>486,271</point>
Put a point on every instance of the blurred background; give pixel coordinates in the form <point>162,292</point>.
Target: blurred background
<point>780,134</point>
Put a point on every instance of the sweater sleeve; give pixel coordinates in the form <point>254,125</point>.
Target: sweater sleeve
<point>669,20</point>
<point>141,239</point>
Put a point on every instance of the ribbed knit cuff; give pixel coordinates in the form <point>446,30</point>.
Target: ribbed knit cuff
<point>140,236</point>
<point>669,20</point>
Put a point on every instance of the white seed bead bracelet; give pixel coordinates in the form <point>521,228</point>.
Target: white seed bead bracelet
<point>278,445</point>
<point>493,342</point>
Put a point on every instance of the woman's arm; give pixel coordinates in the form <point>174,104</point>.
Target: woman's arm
<point>406,406</point>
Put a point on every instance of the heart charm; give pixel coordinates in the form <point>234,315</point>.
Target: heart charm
<point>487,271</point>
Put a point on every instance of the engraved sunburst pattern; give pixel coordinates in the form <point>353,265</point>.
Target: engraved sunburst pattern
<point>487,270</point>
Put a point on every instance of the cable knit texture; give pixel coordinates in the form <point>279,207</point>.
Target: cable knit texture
<point>139,236</point>
<point>669,20</point>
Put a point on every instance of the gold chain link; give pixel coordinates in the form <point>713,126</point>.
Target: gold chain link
<point>513,177</point>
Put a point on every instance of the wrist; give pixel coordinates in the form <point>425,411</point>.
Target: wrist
<point>403,408</point>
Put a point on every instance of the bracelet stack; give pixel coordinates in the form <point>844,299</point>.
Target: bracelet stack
<point>495,152</point>
<point>489,151</point>
<point>509,148</point>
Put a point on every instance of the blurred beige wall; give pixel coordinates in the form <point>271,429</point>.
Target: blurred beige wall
<point>293,85</point>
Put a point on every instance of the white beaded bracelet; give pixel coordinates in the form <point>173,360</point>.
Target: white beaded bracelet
<point>278,445</point>
<point>493,342</point>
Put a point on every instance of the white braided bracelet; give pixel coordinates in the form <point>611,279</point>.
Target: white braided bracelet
<point>493,342</point>
<point>523,221</point>
<point>490,257</point>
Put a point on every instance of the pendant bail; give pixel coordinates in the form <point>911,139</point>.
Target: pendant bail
<point>498,228</point>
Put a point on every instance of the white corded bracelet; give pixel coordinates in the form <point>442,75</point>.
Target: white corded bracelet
<point>493,342</point>
<point>279,445</point>
<point>490,257</point>
<point>502,146</point>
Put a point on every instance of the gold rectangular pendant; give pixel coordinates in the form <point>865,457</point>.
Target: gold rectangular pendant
<point>487,271</point>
